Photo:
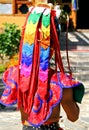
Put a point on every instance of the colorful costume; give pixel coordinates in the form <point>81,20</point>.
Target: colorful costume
<point>33,84</point>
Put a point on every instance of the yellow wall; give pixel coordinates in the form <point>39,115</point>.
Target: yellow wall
<point>20,19</point>
<point>17,19</point>
<point>5,1</point>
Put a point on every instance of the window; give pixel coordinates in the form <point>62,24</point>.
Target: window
<point>5,8</point>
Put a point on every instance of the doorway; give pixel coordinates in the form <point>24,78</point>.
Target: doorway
<point>82,15</point>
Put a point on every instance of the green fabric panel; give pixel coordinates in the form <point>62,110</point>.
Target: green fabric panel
<point>34,17</point>
<point>78,93</point>
<point>46,20</point>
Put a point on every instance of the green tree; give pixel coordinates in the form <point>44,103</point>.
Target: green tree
<point>9,40</point>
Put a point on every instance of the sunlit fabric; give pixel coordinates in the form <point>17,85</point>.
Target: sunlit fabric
<point>32,83</point>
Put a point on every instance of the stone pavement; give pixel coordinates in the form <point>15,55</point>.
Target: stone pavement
<point>79,47</point>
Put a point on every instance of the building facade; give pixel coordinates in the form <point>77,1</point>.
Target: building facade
<point>79,10</point>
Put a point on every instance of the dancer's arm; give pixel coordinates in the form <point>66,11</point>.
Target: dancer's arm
<point>69,105</point>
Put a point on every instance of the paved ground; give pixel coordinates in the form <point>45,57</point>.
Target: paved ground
<point>10,117</point>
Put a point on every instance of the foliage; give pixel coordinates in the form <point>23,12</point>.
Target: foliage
<point>65,13</point>
<point>63,16</point>
<point>2,68</point>
<point>10,39</point>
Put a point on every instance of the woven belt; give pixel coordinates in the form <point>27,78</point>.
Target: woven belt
<point>53,126</point>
